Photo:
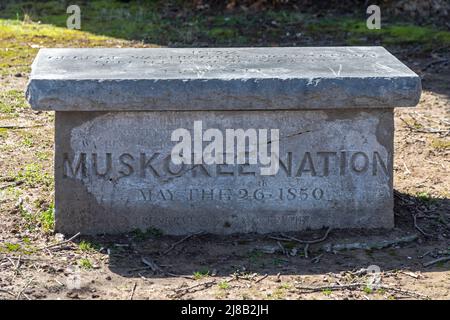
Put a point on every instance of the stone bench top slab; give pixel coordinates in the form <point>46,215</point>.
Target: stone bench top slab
<point>294,78</point>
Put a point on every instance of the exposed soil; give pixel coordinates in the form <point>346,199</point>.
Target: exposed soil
<point>146,266</point>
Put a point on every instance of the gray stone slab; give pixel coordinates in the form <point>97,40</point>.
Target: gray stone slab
<point>117,108</point>
<point>345,181</point>
<point>220,79</point>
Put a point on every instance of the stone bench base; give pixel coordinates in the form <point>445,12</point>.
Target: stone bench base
<point>113,173</point>
<point>330,110</point>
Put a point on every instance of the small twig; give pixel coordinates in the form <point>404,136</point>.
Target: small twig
<point>428,65</point>
<point>438,121</point>
<point>358,286</point>
<point>24,288</point>
<point>278,277</point>
<point>305,250</point>
<point>49,252</point>
<point>52,246</point>
<point>133,291</point>
<point>59,282</point>
<point>152,265</point>
<point>8,292</point>
<point>369,245</point>
<point>289,238</point>
<point>12,127</point>
<point>197,286</point>
<point>11,261</point>
<point>317,258</point>
<point>283,250</point>
<point>330,287</point>
<point>180,241</point>
<point>424,130</point>
<point>201,286</point>
<point>15,184</point>
<point>419,228</point>
<point>411,274</point>
<point>405,292</point>
<point>149,264</point>
<point>407,171</point>
<point>403,198</point>
<point>442,259</point>
<point>16,270</point>
<point>262,278</point>
<point>425,254</point>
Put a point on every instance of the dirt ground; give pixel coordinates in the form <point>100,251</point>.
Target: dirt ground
<point>411,261</point>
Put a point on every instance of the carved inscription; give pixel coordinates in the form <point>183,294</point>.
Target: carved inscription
<point>150,171</point>
<point>214,57</point>
<point>204,62</point>
<point>228,194</point>
<point>286,218</point>
<point>151,165</point>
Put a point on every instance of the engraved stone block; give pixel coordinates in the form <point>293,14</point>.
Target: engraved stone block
<point>116,110</point>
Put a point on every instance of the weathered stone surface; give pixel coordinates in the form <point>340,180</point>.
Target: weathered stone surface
<point>352,190</point>
<point>220,79</point>
<point>113,172</point>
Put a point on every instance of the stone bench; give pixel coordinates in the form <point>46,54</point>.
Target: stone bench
<point>117,109</point>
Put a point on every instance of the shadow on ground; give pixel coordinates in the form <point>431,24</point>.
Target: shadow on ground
<point>156,256</point>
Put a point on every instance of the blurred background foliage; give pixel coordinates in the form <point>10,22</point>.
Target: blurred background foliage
<point>245,22</point>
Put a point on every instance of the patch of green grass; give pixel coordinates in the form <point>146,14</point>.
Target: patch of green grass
<point>11,247</point>
<point>28,217</point>
<point>381,291</point>
<point>368,290</point>
<point>224,285</point>
<point>13,193</point>
<point>85,246</point>
<point>440,144</point>
<point>413,124</point>
<point>327,292</point>
<point>201,274</point>
<point>12,100</point>
<point>221,34</point>
<point>34,175</point>
<point>109,22</point>
<point>278,294</point>
<point>20,41</point>
<point>44,155</point>
<point>43,219</point>
<point>88,246</point>
<point>424,196</point>
<point>285,286</point>
<point>85,263</point>
<point>112,18</point>
<point>3,133</point>
<point>27,140</point>
<point>285,17</point>
<point>357,32</point>
<point>47,219</point>
<point>416,34</point>
<point>26,240</point>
